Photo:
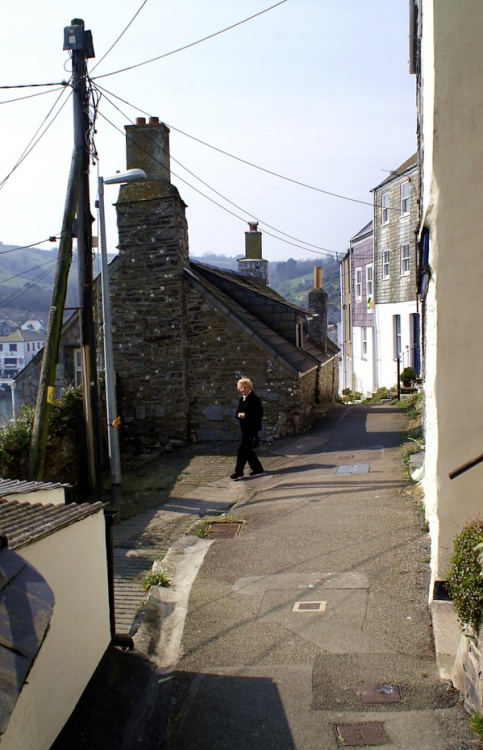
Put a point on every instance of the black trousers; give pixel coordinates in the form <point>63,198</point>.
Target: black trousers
<point>246,453</point>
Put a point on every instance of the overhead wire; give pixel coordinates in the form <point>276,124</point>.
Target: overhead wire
<point>119,37</point>
<point>52,238</point>
<point>309,248</point>
<point>32,143</point>
<point>192,44</point>
<point>32,96</point>
<point>19,292</point>
<point>244,161</point>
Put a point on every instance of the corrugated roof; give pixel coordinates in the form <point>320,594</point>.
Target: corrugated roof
<point>24,522</point>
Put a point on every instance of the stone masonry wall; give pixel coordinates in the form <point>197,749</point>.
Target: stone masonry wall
<point>149,314</point>
<point>219,354</point>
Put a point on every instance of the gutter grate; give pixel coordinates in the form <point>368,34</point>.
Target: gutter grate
<point>355,735</point>
<point>381,694</point>
<point>309,607</point>
<point>220,530</point>
<point>353,469</point>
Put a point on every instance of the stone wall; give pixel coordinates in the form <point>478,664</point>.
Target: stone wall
<point>467,674</point>
<point>219,354</point>
<point>149,313</point>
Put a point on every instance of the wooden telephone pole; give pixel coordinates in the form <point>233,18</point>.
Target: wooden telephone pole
<point>79,41</point>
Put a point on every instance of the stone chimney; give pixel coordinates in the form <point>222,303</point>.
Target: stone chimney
<point>317,304</point>
<point>253,264</point>
<point>147,147</point>
<point>149,297</point>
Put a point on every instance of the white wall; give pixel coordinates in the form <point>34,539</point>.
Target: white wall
<point>452,132</point>
<point>363,378</point>
<point>73,562</point>
<point>386,365</point>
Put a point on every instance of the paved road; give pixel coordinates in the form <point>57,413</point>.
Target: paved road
<point>309,630</point>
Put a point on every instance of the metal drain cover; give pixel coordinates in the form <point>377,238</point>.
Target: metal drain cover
<point>353,469</point>
<point>309,607</point>
<point>381,694</point>
<point>224,530</point>
<point>354,735</point>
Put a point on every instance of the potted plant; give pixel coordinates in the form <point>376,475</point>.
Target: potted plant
<point>408,376</point>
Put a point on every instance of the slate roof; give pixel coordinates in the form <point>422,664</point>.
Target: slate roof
<point>256,309</point>
<point>24,522</point>
<point>23,335</point>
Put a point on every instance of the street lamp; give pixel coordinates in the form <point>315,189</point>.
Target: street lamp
<point>113,421</point>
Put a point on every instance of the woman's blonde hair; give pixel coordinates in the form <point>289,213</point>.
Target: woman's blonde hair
<point>245,380</point>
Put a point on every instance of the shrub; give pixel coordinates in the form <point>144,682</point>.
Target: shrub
<point>465,582</point>
<point>408,375</point>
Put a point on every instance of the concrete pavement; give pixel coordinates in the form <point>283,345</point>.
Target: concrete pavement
<point>311,629</point>
<point>308,630</point>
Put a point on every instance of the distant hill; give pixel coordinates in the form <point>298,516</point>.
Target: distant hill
<point>27,278</point>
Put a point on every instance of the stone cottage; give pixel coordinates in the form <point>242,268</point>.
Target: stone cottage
<point>184,332</point>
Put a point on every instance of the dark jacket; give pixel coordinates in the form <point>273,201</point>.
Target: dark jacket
<point>252,406</point>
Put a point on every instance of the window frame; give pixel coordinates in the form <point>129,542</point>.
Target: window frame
<point>386,264</point>
<point>358,284</point>
<point>364,342</point>
<point>385,208</point>
<point>404,259</point>
<point>404,197</point>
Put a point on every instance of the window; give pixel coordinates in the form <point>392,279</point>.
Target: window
<point>11,361</point>
<point>405,198</point>
<point>384,208</point>
<point>397,335</point>
<point>1,347</point>
<point>364,343</point>
<point>370,287</point>
<point>404,262</point>
<point>385,264</point>
<point>12,347</point>
<point>358,283</point>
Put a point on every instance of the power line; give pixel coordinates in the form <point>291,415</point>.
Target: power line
<point>34,85</point>
<point>26,247</point>
<point>192,44</point>
<point>19,292</point>
<point>49,262</point>
<point>32,143</point>
<point>120,36</point>
<point>31,96</point>
<point>243,161</point>
<point>321,251</point>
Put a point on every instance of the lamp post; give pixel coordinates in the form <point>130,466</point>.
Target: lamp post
<point>113,420</point>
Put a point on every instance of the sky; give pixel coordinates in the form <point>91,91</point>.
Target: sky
<point>316,91</point>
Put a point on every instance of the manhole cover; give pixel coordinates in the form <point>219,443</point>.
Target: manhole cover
<point>354,735</point>
<point>353,469</point>
<point>224,530</point>
<point>309,607</point>
<point>381,694</point>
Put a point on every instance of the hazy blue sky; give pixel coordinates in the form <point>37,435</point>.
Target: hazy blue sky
<point>315,90</point>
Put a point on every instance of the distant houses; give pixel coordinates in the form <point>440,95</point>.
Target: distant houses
<point>18,348</point>
<point>381,330</point>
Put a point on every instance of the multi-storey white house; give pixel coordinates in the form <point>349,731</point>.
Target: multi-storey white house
<point>396,308</point>
<point>17,349</point>
<point>448,60</point>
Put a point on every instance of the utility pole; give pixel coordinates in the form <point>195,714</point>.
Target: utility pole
<point>80,43</point>
<point>45,394</point>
